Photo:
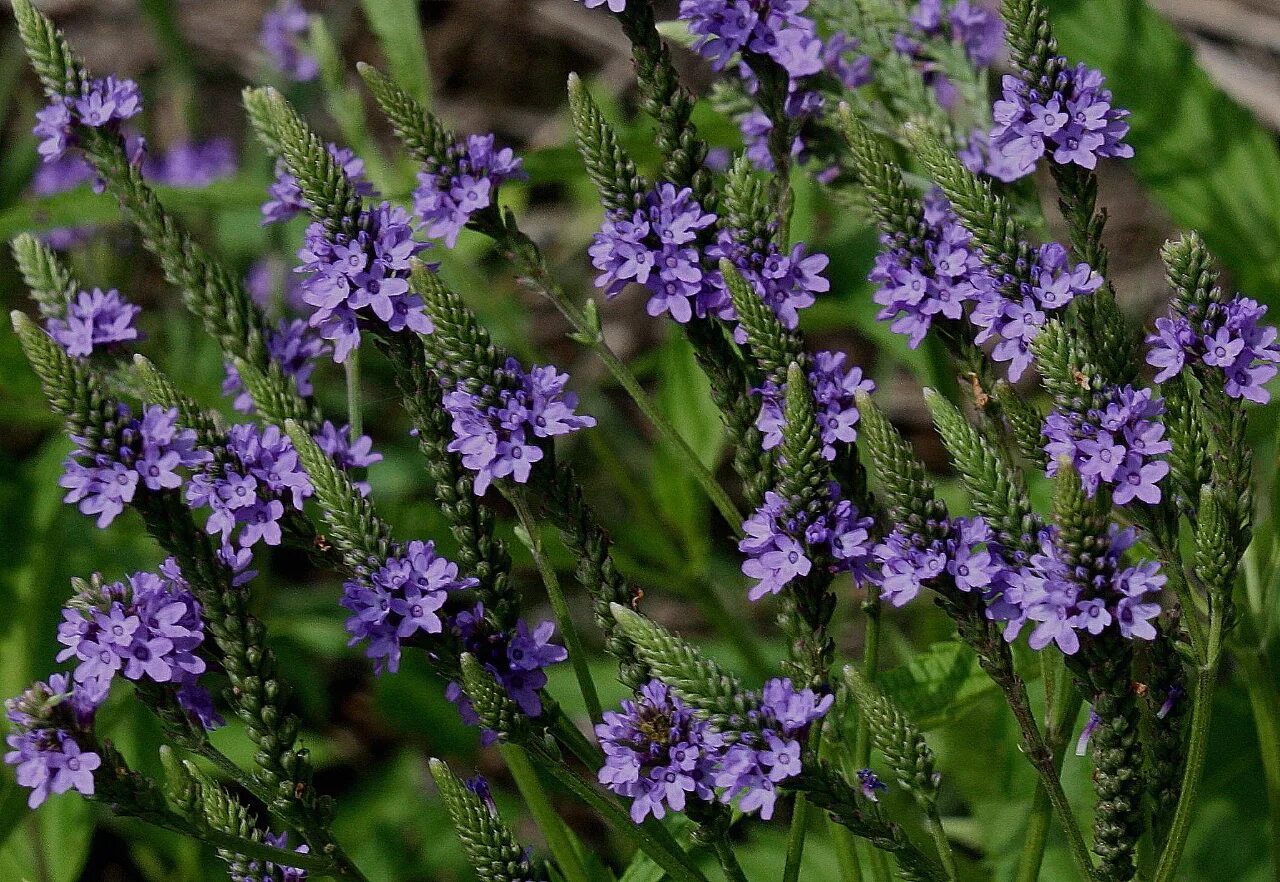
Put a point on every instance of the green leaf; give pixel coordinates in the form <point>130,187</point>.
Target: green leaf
<point>1204,157</point>
<point>399,30</point>
<point>937,685</point>
<point>51,845</point>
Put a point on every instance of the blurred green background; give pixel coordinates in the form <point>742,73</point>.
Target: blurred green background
<point>500,65</point>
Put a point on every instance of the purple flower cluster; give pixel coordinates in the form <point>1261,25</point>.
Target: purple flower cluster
<point>835,391</point>
<point>657,752</point>
<point>103,103</point>
<point>787,282</point>
<point>46,721</point>
<point>399,598</point>
<point>292,346</point>
<point>1068,118</point>
<point>870,784</point>
<point>517,658</point>
<point>657,246</point>
<point>782,544</point>
<point>285,196</point>
<point>94,318</point>
<point>347,454</point>
<point>774,28</point>
<point>148,628</point>
<point>284,29</point>
<point>265,871</point>
<point>147,451</point>
<point>369,269</point>
<point>1050,283</point>
<point>1115,442</point>
<point>965,555</point>
<point>1228,337</point>
<point>770,746</point>
<point>248,489</point>
<point>1061,601</point>
<point>980,157</point>
<point>192,163</point>
<point>614,5</point>
<point>462,182</point>
<point>967,23</point>
<point>922,278</point>
<point>497,430</point>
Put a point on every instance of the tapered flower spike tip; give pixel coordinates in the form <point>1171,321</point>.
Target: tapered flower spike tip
<point>18,320</point>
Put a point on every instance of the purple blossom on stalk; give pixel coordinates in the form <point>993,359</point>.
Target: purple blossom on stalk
<point>103,103</point>
<point>658,753</point>
<point>613,5</point>
<point>46,721</point>
<point>1115,442</point>
<point>979,157</point>
<point>1048,285</point>
<point>285,196</point>
<point>516,658</point>
<point>1069,118</point>
<point>266,871</point>
<point>774,28</point>
<point>1090,726</point>
<point>284,29</point>
<point>920,279</point>
<point>1062,602</point>
<point>782,545</point>
<point>249,488</point>
<point>966,555</point>
<point>969,25</point>
<point>370,269</point>
<point>658,246</point>
<point>292,346</point>
<point>1227,338</point>
<point>835,392</point>
<point>94,319</point>
<point>147,627</point>
<point>787,281</point>
<point>498,430</point>
<point>870,784</point>
<point>399,598</point>
<point>147,452</point>
<point>462,182</point>
<point>347,454</point>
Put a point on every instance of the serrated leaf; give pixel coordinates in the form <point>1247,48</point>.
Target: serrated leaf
<point>937,685</point>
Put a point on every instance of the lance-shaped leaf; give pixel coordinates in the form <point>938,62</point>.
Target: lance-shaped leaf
<point>491,847</point>
<point>50,281</point>
<point>897,738</point>
<point>998,491</point>
<point>698,680</point>
<point>771,344</point>
<point>608,164</point>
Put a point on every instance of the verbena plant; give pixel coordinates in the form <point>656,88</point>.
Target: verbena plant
<point>1121,586</point>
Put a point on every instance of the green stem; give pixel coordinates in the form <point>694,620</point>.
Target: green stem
<point>1264,699</point>
<point>1065,704</point>
<point>870,667</point>
<point>800,820</point>
<point>567,855</point>
<point>355,417</point>
<point>728,861</point>
<point>939,833</point>
<point>572,642</point>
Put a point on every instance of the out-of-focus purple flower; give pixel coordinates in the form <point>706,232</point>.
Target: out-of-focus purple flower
<point>1068,118</point>
<point>261,280</point>
<point>265,871</point>
<point>398,598</point>
<point>369,270</point>
<point>966,23</point>
<point>870,784</point>
<point>462,182</point>
<point>291,345</point>
<point>94,319</point>
<point>284,29</point>
<point>146,452</point>
<point>658,753</point>
<point>498,431</point>
<point>979,158</point>
<point>963,553</point>
<point>835,390</point>
<point>775,28</point>
<point>1117,441</point>
<point>1227,338</point>
<point>285,196</point>
<point>517,658</point>
<point>347,454</point>
<point>782,544</point>
<point>46,721</point>
<point>192,163</point>
<point>613,5</point>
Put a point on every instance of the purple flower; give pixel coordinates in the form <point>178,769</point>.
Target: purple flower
<point>1068,117</point>
<point>462,182</point>
<point>614,5</point>
<point>787,282</point>
<point>350,276</point>
<point>103,479</point>
<point>963,552</point>
<point>658,753</point>
<point>294,348</point>
<point>103,103</point>
<point>265,871</point>
<point>1224,339</point>
<point>192,163</point>
<point>94,318</point>
<point>398,598</point>
<point>870,784</point>
<point>782,544</point>
<point>284,30</point>
<point>1090,726</point>
<point>835,394</point>
<point>286,200</point>
<point>979,158</point>
<point>347,454</point>
<point>775,28</point>
<point>1116,441</point>
<point>498,431</point>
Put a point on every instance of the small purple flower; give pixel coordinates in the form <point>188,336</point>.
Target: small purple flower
<point>462,182</point>
<point>347,454</point>
<point>498,432</point>
<point>103,103</point>
<point>1227,337</point>
<point>192,163</point>
<point>613,5</point>
<point>286,200</point>
<point>95,319</point>
<point>964,553</point>
<point>284,30</point>
<point>787,281</point>
<point>775,28</point>
<point>1090,726</point>
<point>294,348</point>
<point>870,784</point>
<point>835,392</point>
<point>265,871</point>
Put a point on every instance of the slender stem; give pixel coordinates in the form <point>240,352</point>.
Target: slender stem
<point>571,737</point>
<point>558,837</point>
<point>728,861</point>
<point>1264,699</point>
<point>355,417</point>
<point>572,642</point>
<point>1065,708</point>
<point>800,820</point>
<point>870,667</point>
<point>939,833</point>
